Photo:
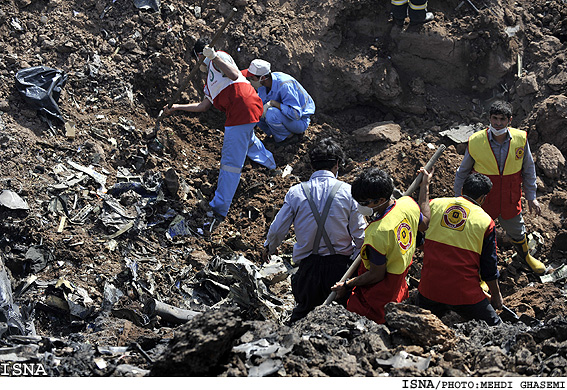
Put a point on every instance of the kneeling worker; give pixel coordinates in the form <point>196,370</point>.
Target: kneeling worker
<point>287,105</point>
<point>460,249</point>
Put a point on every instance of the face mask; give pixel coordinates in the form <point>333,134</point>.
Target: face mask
<point>256,84</point>
<point>498,132</point>
<point>368,211</point>
<point>365,210</point>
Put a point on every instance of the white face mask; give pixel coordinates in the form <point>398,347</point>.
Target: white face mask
<point>365,210</point>
<point>498,132</point>
<point>368,211</point>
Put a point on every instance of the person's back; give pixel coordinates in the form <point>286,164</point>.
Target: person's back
<point>236,98</point>
<point>288,91</point>
<point>328,229</point>
<point>339,218</point>
<point>453,244</point>
<point>459,252</point>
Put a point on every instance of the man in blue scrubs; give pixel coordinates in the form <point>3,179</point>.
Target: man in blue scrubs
<point>287,105</point>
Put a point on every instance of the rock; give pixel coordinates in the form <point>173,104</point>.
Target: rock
<point>558,81</point>
<point>386,82</point>
<point>417,86</point>
<point>171,180</point>
<point>551,121</point>
<point>550,161</point>
<point>420,326</point>
<point>527,85</point>
<point>493,358</point>
<point>559,198</point>
<point>380,131</point>
<point>200,345</point>
<point>561,241</point>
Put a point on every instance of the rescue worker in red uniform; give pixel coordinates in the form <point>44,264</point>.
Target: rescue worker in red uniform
<point>459,250</point>
<point>388,248</point>
<point>503,154</point>
<point>228,90</point>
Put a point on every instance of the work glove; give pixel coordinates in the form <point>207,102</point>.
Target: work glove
<point>266,106</point>
<point>209,52</point>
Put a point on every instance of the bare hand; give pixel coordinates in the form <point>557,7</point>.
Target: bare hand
<point>534,207</point>
<point>340,289</point>
<point>426,175</point>
<point>169,111</point>
<point>496,301</point>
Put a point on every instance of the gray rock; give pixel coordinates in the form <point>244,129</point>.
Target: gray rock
<point>417,324</point>
<point>527,85</point>
<point>550,160</point>
<point>379,131</point>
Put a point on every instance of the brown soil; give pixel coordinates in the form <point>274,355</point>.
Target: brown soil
<point>124,64</point>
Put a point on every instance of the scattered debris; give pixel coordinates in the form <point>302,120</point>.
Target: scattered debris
<point>40,86</point>
<point>12,201</point>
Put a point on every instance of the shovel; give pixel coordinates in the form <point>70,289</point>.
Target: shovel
<point>508,315</point>
<point>397,194</point>
<point>192,74</point>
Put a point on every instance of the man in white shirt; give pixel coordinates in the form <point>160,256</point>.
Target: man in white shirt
<point>329,230</point>
<point>229,91</point>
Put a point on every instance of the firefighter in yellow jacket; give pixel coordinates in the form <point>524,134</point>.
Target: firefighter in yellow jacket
<point>503,154</point>
<point>389,244</point>
<point>459,250</point>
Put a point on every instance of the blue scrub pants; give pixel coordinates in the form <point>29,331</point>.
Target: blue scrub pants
<point>239,142</point>
<point>276,124</point>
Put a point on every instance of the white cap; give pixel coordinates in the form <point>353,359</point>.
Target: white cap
<point>257,68</point>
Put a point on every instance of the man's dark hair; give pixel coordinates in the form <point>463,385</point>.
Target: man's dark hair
<point>372,183</point>
<point>325,154</point>
<point>200,45</point>
<point>500,107</point>
<point>476,185</point>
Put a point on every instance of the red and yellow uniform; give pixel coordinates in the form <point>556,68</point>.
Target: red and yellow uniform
<point>236,98</point>
<point>506,194</point>
<point>453,247</point>
<point>394,236</point>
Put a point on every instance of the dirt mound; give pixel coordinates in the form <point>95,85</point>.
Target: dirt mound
<point>112,221</point>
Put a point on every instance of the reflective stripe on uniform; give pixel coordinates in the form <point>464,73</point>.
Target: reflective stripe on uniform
<point>418,7</point>
<point>399,2</point>
<point>228,168</point>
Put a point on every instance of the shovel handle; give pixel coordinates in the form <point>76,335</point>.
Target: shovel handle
<point>195,69</point>
<point>410,190</point>
<point>349,272</point>
<point>428,167</point>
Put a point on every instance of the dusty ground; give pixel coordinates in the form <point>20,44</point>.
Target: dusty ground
<point>124,64</point>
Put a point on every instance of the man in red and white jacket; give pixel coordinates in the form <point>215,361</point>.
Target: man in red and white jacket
<point>229,91</point>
